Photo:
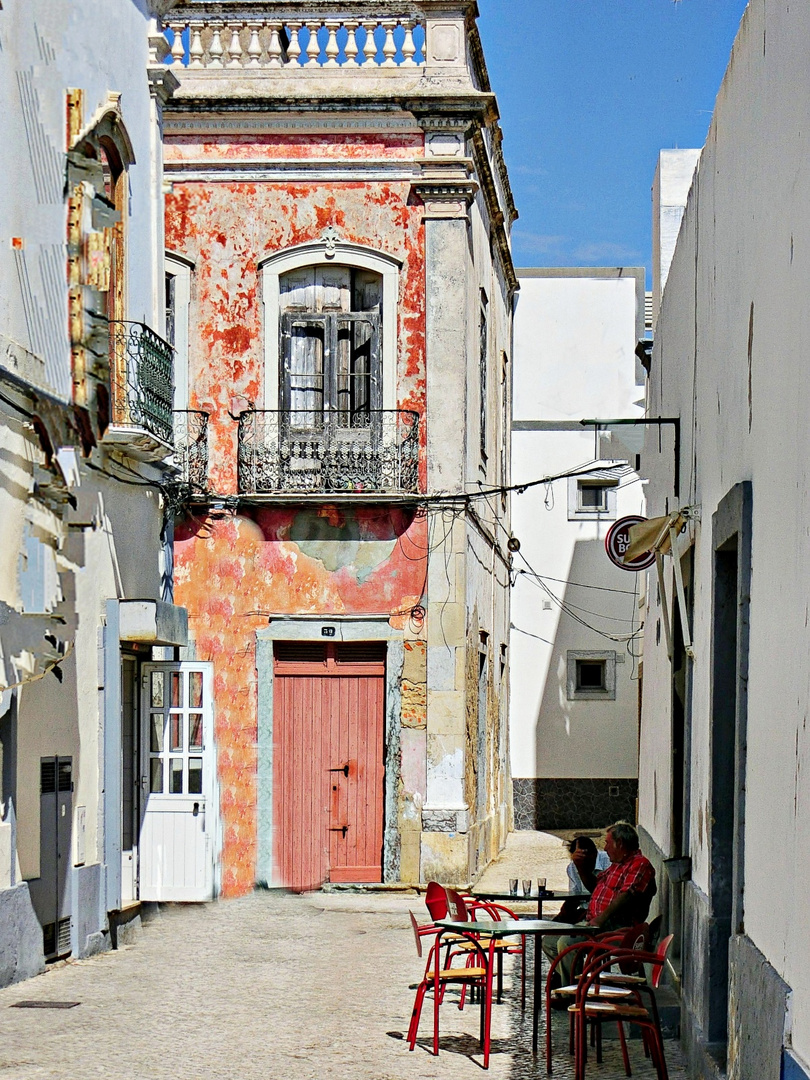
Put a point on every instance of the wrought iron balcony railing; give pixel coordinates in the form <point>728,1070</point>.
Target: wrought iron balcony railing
<point>142,380</point>
<point>191,447</point>
<point>338,452</point>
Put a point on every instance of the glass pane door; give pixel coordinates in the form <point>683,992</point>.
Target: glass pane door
<point>176,732</point>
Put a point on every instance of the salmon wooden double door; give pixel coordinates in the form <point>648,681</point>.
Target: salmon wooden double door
<point>328,768</point>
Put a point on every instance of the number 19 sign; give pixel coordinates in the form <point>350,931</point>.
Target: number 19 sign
<point>617,542</point>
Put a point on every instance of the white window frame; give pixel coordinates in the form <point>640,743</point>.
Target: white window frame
<point>180,268</point>
<point>329,252</point>
<point>576,512</point>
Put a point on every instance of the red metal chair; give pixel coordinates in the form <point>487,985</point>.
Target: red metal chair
<point>438,908</point>
<point>436,900</point>
<point>510,948</point>
<point>437,978</point>
<point>579,952</point>
<point>596,1002</point>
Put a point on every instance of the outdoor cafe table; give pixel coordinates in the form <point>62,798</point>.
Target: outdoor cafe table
<point>552,895</point>
<point>537,928</point>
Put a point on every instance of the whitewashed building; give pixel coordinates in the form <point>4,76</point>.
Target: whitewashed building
<point>575,629</point>
<point>724,783</point>
<point>86,431</point>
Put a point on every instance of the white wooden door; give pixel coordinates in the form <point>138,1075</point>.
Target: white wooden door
<point>179,820</point>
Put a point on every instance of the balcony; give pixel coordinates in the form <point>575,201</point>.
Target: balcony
<point>191,448</point>
<point>141,421</point>
<point>210,35</point>
<point>339,453</point>
<point>213,44</point>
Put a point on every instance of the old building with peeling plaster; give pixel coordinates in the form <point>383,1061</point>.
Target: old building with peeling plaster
<point>340,289</point>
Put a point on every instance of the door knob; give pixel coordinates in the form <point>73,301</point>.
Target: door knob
<point>342,768</point>
<point>343,829</point>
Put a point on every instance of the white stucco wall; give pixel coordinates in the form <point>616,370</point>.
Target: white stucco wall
<point>734,368</point>
<point>49,46</point>
<point>673,179</point>
<point>575,334</point>
<point>109,547</point>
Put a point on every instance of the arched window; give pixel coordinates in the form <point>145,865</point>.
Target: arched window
<point>331,345</point>
<point>330,332</point>
<point>114,195</point>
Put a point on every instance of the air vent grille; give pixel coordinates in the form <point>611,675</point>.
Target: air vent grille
<point>49,938</point>
<point>360,652</point>
<point>47,776</point>
<point>300,652</point>
<point>63,936</point>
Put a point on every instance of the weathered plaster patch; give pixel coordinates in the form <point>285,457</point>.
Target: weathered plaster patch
<point>277,147</point>
<point>414,704</point>
<point>444,857</point>
<point>415,665</point>
<point>231,575</point>
<point>225,228</point>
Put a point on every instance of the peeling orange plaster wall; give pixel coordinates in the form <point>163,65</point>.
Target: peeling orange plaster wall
<point>232,574</point>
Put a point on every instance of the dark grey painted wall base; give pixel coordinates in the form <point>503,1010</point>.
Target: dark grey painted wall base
<point>21,955</point>
<point>572,803</point>
<point>757,997</point>
<point>758,1003</point>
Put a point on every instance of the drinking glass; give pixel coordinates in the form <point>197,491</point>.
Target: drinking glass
<point>513,886</point>
<point>527,886</point>
<point>541,885</point>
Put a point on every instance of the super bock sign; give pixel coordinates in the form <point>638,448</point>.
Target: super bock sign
<point>617,542</point>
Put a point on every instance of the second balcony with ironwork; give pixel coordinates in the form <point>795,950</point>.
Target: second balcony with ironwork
<point>191,448</point>
<point>340,452</point>
<point>142,368</point>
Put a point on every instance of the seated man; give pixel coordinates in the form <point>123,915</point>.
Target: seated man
<point>621,894</point>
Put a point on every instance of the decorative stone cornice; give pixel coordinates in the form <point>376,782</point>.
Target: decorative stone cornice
<point>445,187</point>
<point>162,83</point>
<point>162,80</point>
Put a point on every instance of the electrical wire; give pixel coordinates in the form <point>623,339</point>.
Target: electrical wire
<point>579,584</point>
<point>572,614</point>
<point>528,633</point>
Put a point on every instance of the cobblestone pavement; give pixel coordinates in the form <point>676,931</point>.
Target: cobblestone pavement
<point>273,987</point>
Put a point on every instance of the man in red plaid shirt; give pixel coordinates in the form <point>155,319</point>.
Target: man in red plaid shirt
<point>620,895</point>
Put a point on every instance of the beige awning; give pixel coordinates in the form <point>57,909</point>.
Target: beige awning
<point>653,535</point>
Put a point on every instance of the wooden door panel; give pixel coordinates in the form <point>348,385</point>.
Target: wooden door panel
<point>300,790</point>
<point>357,856</point>
<point>329,825</point>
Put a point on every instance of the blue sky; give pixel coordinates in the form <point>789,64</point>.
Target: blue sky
<point>589,91</point>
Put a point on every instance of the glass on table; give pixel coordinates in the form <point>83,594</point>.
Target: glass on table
<point>541,885</point>
<point>527,886</point>
<point>513,886</point>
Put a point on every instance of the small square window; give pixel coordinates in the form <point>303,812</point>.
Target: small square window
<point>591,499</point>
<point>591,675</point>
<point>592,496</point>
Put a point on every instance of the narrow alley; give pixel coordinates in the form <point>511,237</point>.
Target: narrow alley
<point>271,985</point>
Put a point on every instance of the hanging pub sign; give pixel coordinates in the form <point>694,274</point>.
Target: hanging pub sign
<point>617,542</point>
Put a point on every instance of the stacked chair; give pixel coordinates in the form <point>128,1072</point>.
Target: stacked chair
<point>613,987</point>
<point>472,948</point>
